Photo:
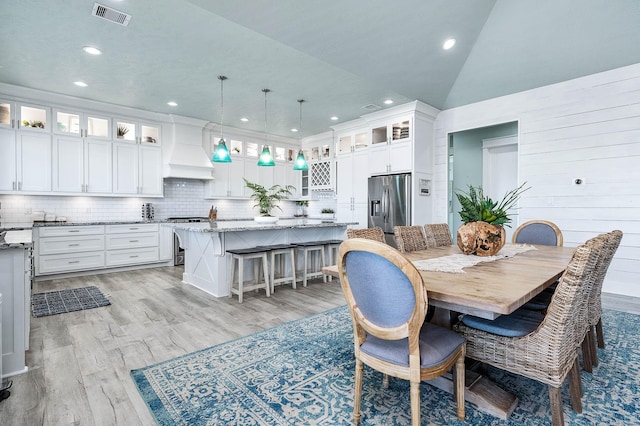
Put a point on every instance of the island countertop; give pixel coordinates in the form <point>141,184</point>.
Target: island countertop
<point>251,225</point>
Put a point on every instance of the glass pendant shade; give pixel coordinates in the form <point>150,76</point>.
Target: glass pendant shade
<point>221,154</point>
<point>266,159</point>
<point>301,162</point>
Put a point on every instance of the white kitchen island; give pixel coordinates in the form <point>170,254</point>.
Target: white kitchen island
<point>206,265</point>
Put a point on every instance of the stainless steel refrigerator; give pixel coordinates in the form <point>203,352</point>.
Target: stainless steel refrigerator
<point>390,203</point>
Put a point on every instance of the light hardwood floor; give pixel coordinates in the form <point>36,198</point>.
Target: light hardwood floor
<point>79,362</point>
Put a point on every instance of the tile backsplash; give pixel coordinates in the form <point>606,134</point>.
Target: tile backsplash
<point>182,197</point>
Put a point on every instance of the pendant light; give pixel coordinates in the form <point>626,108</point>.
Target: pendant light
<point>265,159</point>
<point>221,154</point>
<point>301,163</point>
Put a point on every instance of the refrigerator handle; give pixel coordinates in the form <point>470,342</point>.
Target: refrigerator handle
<point>385,204</point>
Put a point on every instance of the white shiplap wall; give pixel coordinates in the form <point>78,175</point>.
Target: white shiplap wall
<point>587,128</point>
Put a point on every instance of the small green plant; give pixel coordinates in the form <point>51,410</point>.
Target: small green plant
<point>476,207</point>
<point>303,203</point>
<point>266,198</point>
<point>33,123</point>
<point>327,211</point>
<point>121,131</point>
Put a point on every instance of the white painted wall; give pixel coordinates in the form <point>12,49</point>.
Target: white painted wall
<point>587,128</point>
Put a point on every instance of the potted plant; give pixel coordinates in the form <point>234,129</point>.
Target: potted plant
<point>482,232</point>
<point>121,131</point>
<point>326,214</point>
<point>302,208</point>
<point>266,199</point>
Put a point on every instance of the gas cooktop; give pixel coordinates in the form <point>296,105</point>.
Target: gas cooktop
<point>187,219</point>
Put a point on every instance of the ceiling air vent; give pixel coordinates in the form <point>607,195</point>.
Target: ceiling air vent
<point>104,12</point>
<point>371,107</point>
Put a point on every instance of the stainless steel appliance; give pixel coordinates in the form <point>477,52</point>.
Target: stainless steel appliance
<point>178,252</point>
<point>390,203</point>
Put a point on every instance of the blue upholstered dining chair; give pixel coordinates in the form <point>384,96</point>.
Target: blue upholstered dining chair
<point>388,302</point>
<point>540,232</point>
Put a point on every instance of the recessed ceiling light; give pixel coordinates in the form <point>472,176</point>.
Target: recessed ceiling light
<point>171,103</point>
<point>244,119</point>
<point>80,83</point>
<point>388,101</point>
<point>294,130</point>
<point>448,44</point>
<point>334,118</point>
<point>92,50</point>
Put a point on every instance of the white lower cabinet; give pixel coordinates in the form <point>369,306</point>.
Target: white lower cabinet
<point>61,249</point>
<point>166,243</point>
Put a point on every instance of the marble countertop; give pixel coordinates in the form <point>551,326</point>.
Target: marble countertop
<point>251,225</point>
<point>16,239</point>
<point>14,226</point>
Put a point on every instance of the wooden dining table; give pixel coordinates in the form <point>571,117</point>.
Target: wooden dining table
<point>487,290</point>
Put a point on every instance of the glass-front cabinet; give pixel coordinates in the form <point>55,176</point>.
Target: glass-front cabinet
<point>33,117</point>
<point>352,142</point>
<point>396,131</point>
<point>79,124</point>
<point>132,131</point>
<point>7,114</point>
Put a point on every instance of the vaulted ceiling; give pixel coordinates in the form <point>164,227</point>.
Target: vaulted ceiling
<point>339,56</point>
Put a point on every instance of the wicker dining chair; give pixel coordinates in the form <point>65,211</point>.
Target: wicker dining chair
<point>390,332</point>
<point>438,234</point>
<point>594,306</point>
<point>549,353</point>
<point>410,238</point>
<point>376,233</point>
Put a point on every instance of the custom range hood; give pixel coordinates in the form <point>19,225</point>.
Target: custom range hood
<point>184,156</point>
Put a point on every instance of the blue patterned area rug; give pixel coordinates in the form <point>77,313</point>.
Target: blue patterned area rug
<point>301,373</point>
<point>70,300</point>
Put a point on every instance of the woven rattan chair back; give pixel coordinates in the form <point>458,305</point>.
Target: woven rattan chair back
<point>438,234</point>
<point>410,238</point>
<point>540,232</point>
<point>375,234</point>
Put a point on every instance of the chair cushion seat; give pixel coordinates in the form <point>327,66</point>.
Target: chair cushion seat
<point>436,345</point>
<point>519,323</point>
<point>540,302</point>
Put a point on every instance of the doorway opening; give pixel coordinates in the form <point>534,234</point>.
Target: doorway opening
<point>486,157</point>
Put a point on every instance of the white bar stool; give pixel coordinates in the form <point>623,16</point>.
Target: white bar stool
<point>254,254</point>
<point>311,248</point>
<point>278,252</point>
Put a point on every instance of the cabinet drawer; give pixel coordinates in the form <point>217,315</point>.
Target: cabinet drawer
<point>131,257</point>
<point>61,231</point>
<point>73,244</point>
<point>58,263</point>
<point>132,227</point>
<point>134,240</point>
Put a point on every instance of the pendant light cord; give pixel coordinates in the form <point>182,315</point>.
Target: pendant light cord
<point>265,115</point>
<point>222,78</point>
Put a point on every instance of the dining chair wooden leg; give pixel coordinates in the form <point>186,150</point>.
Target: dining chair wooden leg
<point>600,334</point>
<point>459,385</point>
<point>586,355</point>
<point>357,398</point>
<point>575,388</point>
<point>576,365</point>
<point>555,398</point>
<point>385,381</point>
<point>415,403</point>
<point>592,346</point>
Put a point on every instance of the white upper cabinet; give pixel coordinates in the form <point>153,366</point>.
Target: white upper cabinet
<point>391,149</point>
<point>86,125</point>
<point>25,161</point>
<point>7,114</point>
<point>127,130</point>
<point>7,160</point>
<point>81,165</point>
<point>137,170</point>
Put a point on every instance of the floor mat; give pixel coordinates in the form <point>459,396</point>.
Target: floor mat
<point>62,301</point>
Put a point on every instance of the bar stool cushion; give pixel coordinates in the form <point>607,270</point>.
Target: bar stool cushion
<point>518,324</point>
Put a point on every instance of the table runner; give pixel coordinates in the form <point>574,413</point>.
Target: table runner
<point>454,263</point>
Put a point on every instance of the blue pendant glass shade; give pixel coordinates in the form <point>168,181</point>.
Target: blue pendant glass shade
<point>301,163</point>
<point>266,159</point>
<point>221,154</point>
